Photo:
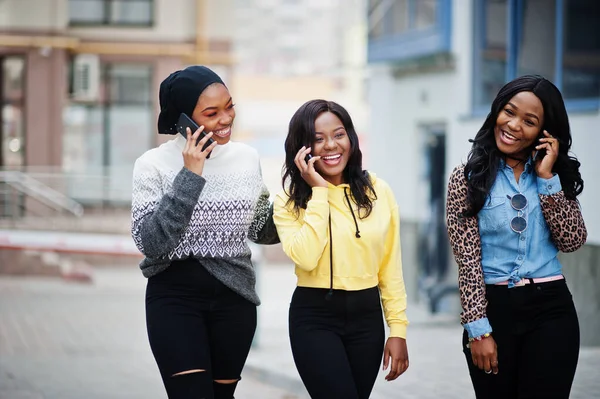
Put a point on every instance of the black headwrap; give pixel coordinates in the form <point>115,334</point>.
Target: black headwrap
<point>179,93</point>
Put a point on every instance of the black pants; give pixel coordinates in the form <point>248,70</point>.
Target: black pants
<point>196,323</point>
<point>337,343</point>
<point>537,333</point>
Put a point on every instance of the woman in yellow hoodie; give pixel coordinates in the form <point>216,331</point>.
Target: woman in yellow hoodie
<point>340,226</point>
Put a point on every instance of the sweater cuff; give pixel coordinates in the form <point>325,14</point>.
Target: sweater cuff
<point>188,185</point>
<point>398,330</point>
<point>549,186</point>
<point>478,328</point>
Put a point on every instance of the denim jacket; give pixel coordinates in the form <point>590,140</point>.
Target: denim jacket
<point>488,251</point>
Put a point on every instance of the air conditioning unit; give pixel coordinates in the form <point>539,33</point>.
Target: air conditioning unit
<point>86,78</point>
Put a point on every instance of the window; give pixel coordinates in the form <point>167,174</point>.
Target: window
<point>12,102</point>
<point>106,137</point>
<point>559,39</point>
<point>111,12</point>
<point>405,29</point>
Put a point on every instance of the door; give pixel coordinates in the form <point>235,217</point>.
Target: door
<point>433,241</point>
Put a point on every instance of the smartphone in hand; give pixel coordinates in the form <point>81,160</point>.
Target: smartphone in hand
<point>539,154</point>
<point>184,122</point>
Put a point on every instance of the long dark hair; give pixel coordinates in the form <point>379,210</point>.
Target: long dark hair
<point>302,133</point>
<point>483,159</point>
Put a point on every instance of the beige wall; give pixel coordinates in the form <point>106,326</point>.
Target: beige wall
<point>219,20</point>
<point>46,15</point>
<point>41,15</point>
<point>164,29</point>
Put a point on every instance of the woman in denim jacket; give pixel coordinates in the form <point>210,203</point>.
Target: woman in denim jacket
<point>510,209</point>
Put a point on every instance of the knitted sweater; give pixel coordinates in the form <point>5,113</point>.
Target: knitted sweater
<point>177,214</point>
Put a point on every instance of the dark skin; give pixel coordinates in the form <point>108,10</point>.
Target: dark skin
<point>214,113</point>
<point>332,142</point>
<point>517,128</point>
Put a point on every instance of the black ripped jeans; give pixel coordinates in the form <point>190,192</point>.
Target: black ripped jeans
<point>195,322</point>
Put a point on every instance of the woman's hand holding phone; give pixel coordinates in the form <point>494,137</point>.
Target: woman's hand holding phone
<point>307,169</point>
<point>193,156</point>
<point>543,167</point>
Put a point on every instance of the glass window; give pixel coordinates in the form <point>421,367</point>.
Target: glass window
<point>493,50</point>
<point>399,16</point>
<point>408,29</point>
<point>518,37</point>
<point>107,137</point>
<point>12,132</point>
<point>376,17</point>
<point>86,11</point>
<point>581,54</point>
<point>111,12</point>
<point>129,84</point>
<point>537,42</point>
<point>131,12</point>
<point>425,13</point>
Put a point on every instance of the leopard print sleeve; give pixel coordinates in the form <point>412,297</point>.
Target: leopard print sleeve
<point>463,234</point>
<point>564,218</point>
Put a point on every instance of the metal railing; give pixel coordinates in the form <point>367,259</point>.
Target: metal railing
<point>26,185</point>
<point>45,193</point>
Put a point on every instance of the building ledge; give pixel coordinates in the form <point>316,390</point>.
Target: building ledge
<point>189,51</point>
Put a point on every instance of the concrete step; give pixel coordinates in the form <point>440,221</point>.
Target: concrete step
<point>44,263</point>
<point>110,223</point>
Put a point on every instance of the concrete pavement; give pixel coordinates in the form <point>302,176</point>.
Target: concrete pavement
<point>437,366</point>
<point>61,340</point>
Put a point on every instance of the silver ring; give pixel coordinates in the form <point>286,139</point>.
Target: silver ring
<point>488,372</point>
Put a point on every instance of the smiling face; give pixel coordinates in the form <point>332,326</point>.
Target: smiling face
<point>332,144</point>
<point>214,110</point>
<point>519,124</point>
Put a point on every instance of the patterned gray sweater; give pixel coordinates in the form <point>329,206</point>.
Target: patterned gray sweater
<point>177,214</point>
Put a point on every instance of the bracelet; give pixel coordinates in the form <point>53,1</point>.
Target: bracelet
<point>480,338</point>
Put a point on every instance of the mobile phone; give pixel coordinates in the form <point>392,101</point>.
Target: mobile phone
<point>539,154</point>
<point>307,158</point>
<point>184,122</point>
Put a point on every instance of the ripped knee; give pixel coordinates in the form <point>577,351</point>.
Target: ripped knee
<point>189,372</point>
<point>226,381</point>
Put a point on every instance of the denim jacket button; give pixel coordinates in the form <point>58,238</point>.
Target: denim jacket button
<point>549,186</point>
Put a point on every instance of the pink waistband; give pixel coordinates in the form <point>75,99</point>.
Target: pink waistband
<point>525,281</point>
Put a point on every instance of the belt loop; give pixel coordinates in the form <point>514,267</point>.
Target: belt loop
<point>531,282</point>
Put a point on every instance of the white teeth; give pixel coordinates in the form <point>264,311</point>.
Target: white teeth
<point>222,132</point>
<point>332,157</point>
<point>510,136</point>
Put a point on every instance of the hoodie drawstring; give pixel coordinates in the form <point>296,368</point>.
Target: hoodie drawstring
<point>352,212</point>
<point>330,293</point>
<point>357,234</point>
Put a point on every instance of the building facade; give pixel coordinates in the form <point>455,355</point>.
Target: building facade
<point>434,68</point>
<point>289,52</point>
<point>80,78</point>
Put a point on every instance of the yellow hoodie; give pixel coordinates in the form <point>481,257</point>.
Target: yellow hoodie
<point>358,263</point>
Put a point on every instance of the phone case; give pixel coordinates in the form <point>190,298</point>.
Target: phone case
<point>185,122</point>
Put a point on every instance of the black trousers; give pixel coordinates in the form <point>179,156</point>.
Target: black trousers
<point>537,333</point>
<point>194,322</point>
<point>337,343</point>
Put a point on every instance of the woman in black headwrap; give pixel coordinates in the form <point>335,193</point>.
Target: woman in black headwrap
<point>191,217</point>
